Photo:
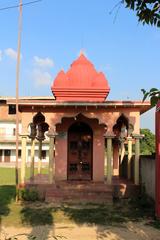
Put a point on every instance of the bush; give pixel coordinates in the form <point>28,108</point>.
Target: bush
<point>29,194</point>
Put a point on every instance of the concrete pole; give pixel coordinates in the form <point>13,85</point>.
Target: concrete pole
<point>32,158</point>
<point>23,160</point>
<point>137,155</point>
<point>129,157</point>
<point>136,162</point>
<point>157,172</point>
<point>51,158</point>
<point>17,91</point>
<point>40,157</point>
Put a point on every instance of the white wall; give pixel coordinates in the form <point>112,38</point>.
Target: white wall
<point>9,128</point>
<point>147,172</point>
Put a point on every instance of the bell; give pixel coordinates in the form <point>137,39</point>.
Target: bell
<point>42,128</point>
<point>40,134</point>
<point>32,130</point>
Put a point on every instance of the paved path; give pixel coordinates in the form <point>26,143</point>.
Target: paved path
<point>129,231</point>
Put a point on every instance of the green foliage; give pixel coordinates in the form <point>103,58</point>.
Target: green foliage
<point>147,146</point>
<point>143,202</point>
<point>148,11</point>
<point>29,194</point>
<point>153,94</point>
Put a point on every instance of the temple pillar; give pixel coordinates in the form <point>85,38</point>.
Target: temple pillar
<point>122,151</point>
<point>32,136</point>
<point>51,157</point>
<point>32,158</point>
<point>137,155</point>
<point>105,164</point>
<point>109,158</point>
<point>23,158</point>
<point>129,157</point>
<point>40,156</point>
<point>115,159</point>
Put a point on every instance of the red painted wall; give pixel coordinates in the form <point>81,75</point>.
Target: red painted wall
<point>158,160</point>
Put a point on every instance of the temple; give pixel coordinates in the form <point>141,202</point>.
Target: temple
<point>90,138</point>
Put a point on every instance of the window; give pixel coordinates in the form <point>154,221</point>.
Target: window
<point>19,153</point>
<point>7,152</point>
<point>2,131</point>
<point>43,154</point>
<point>12,109</point>
<point>14,132</point>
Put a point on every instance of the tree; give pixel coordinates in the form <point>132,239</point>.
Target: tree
<point>153,94</point>
<point>147,146</point>
<point>147,11</point>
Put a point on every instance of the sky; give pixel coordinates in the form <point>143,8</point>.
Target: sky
<point>54,33</point>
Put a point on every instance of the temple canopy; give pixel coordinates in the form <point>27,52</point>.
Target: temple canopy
<point>80,83</point>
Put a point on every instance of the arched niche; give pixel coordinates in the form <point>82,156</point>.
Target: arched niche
<point>122,128</point>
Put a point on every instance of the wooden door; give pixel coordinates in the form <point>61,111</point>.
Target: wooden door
<point>80,141</point>
<point>7,154</point>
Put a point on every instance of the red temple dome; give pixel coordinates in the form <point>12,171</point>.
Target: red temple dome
<point>80,83</point>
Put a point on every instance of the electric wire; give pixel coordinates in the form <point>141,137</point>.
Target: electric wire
<point>20,5</point>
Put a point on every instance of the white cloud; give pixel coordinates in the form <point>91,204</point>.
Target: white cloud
<point>0,55</point>
<point>43,62</point>
<point>41,78</point>
<point>10,52</point>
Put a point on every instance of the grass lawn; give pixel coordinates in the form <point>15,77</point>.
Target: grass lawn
<point>39,213</point>
<point>7,175</point>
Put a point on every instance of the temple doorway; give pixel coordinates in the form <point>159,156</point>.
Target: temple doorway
<point>80,151</point>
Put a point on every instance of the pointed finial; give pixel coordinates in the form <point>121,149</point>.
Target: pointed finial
<point>82,52</point>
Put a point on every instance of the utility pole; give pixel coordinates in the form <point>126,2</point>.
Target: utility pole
<point>17,91</point>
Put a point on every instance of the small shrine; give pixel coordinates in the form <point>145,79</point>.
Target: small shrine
<point>90,138</point>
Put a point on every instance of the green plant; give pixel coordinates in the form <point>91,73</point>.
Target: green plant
<point>143,201</point>
<point>29,194</point>
<point>153,94</point>
<point>148,11</point>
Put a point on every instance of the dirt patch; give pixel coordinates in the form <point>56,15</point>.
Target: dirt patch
<point>130,230</point>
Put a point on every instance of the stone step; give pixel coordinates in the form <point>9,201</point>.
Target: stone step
<point>96,194</point>
<point>73,199</point>
<point>78,201</point>
<point>85,187</point>
<point>75,194</point>
<point>72,190</point>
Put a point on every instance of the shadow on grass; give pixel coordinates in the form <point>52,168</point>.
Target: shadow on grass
<point>115,214</point>
<point>40,218</point>
<point>7,195</point>
<point>37,216</point>
<point>154,223</point>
